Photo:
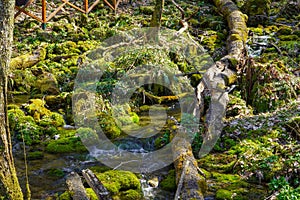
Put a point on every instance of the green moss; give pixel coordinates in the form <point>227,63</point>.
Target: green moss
<point>99,169</point>
<point>288,37</point>
<point>237,107</point>
<point>195,79</point>
<point>109,126</point>
<point>65,196</point>
<point>54,172</point>
<point>116,181</point>
<point>36,109</point>
<point>234,37</point>
<point>144,108</point>
<point>210,41</point>
<point>224,194</point>
<point>284,30</point>
<point>271,29</point>
<point>36,155</point>
<point>24,126</point>
<point>147,10</point>
<point>218,162</point>
<point>65,145</point>
<point>131,195</point>
<point>53,119</point>
<point>88,136</point>
<point>169,183</point>
<point>91,194</point>
<point>14,115</point>
<point>258,30</point>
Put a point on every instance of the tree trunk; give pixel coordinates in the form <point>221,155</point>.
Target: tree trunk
<point>156,16</point>
<point>8,173</point>
<point>190,180</point>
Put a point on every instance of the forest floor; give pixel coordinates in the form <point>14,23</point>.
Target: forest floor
<point>258,153</point>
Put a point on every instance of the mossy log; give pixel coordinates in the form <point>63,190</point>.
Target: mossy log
<point>216,79</point>
<point>190,184</point>
<point>222,73</point>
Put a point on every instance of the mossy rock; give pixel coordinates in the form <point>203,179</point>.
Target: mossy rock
<point>169,182</point>
<point>47,84</point>
<point>118,181</point>
<point>54,119</point>
<point>36,108</point>
<point>35,155</point>
<point>23,81</point>
<point>24,126</point>
<point>88,136</point>
<point>14,115</point>
<point>109,125</point>
<point>66,145</point>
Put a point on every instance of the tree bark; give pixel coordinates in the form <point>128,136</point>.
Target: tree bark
<point>8,173</point>
<point>156,16</point>
<point>76,187</point>
<point>190,184</point>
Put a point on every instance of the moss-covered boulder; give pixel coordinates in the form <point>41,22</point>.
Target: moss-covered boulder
<point>24,127</point>
<point>47,84</point>
<point>121,184</point>
<point>66,145</point>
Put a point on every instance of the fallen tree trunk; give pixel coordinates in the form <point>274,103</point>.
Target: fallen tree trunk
<point>221,74</point>
<point>191,185</point>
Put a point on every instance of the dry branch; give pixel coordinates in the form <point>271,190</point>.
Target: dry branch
<point>101,192</point>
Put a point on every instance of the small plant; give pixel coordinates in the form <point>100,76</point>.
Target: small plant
<point>278,183</point>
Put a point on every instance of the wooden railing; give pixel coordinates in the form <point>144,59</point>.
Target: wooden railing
<point>45,17</point>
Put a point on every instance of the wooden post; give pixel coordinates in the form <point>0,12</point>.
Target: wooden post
<point>44,14</point>
<point>86,6</point>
